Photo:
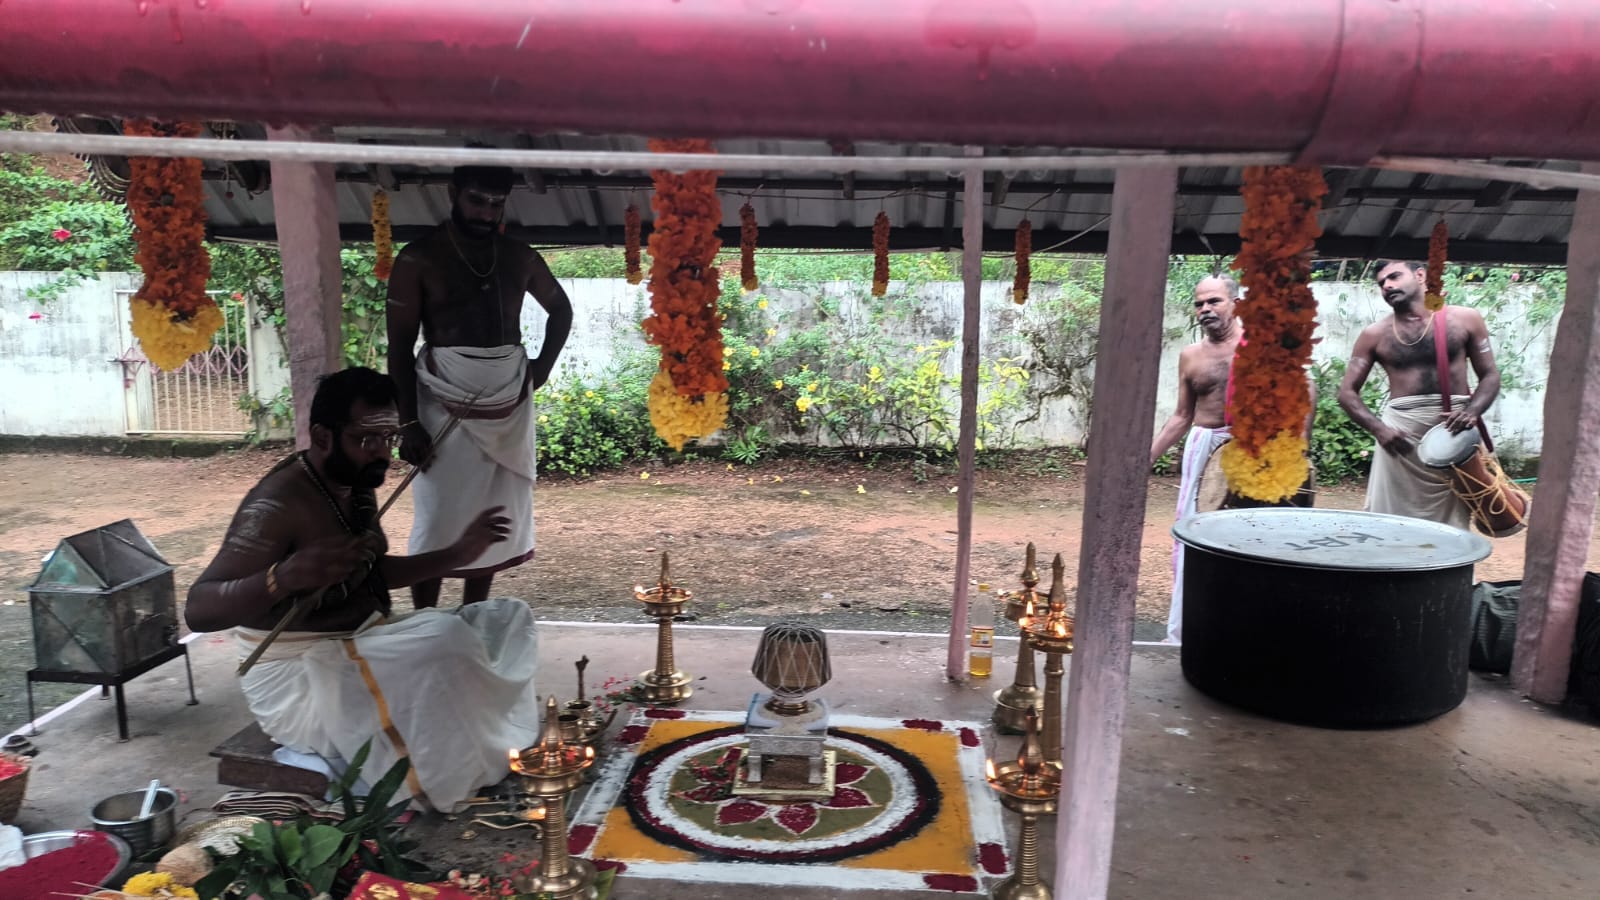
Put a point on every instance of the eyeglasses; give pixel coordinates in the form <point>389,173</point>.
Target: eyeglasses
<point>377,441</point>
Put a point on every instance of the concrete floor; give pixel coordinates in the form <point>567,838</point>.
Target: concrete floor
<point>1498,799</point>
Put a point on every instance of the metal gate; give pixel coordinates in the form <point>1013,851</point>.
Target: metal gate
<point>203,396</point>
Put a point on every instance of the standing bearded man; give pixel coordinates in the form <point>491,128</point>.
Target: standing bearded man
<point>462,286</point>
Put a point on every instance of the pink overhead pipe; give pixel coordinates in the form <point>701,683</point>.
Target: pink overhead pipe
<point>1336,80</point>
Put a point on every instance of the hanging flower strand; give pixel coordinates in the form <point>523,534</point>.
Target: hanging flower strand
<point>1019,288</point>
<point>688,397</point>
<point>880,254</point>
<point>1266,459</point>
<point>630,231</point>
<point>1438,246</point>
<point>747,248</point>
<point>173,316</point>
<point>382,237</point>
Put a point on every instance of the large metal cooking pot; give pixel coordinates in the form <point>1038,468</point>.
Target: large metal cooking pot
<point>1328,617</point>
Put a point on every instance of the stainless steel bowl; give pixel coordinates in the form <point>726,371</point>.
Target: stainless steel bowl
<point>49,841</point>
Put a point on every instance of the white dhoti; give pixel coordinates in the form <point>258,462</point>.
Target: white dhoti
<point>453,690</point>
<point>487,461</point>
<point>1401,485</point>
<point>1197,449</point>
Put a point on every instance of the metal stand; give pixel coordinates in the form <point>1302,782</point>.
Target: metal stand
<point>115,681</point>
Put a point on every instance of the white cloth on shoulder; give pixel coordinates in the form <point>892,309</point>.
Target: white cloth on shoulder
<point>1197,450</point>
<point>487,461</point>
<point>1402,485</point>
<point>451,689</point>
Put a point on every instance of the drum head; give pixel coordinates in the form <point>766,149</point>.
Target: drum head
<point>1440,449</point>
<point>1212,492</point>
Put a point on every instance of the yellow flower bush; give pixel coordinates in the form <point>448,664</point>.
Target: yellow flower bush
<point>679,419</point>
<point>803,404</point>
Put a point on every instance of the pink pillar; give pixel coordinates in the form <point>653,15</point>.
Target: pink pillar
<point>306,208</point>
<point>967,428</point>
<point>1127,367</point>
<point>1569,472</point>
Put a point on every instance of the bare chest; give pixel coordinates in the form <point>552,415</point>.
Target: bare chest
<point>474,302</point>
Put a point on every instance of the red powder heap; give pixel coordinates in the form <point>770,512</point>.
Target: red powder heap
<point>9,768</point>
<point>72,870</point>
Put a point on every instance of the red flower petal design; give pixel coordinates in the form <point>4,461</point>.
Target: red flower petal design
<point>741,812</point>
<point>953,883</point>
<point>849,798</point>
<point>797,817</point>
<point>664,713</point>
<point>848,773</point>
<point>969,738</point>
<point>580,837</point>
<point>632,734</point>
<point>922,724</point>
<point>992,857</point>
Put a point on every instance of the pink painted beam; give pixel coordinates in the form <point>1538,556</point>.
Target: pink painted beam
<point>1344,79</point>
<point>1569,473</point>
<point>1127,367</point>
<point>967,424</point>
<point>305,205</point>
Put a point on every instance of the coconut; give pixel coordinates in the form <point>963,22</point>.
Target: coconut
<point>186,864</point>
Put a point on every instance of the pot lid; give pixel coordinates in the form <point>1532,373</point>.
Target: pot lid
<point>1332,539</point>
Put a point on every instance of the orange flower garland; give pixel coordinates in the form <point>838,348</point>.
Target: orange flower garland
<point>880,255</point>
<point>747,248</point>
<point>1019,288</point>
<point>630,231</point>
<point>173,317</point>
<point>382,237</point>
<point>1266,458</point>
<point>1438,244</point>
<point>684,288</point>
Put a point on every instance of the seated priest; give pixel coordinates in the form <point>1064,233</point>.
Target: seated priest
<point>453,690</point>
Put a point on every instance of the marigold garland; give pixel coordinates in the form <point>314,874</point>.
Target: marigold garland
<point>880,254</point>
<point>747,248</point>
<point>1019,288</point>
<point>688,397</point>
<point>382,237</point>
<point>173,317</point>
<point>1438,244</point>
<point>1265,459</point>
<point>630,231</point>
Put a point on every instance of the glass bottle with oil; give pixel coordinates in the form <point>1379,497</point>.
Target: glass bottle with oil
<point>980,619</point>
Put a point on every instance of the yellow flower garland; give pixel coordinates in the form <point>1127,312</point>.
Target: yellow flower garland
<point>382,237</point>
<point>157,884</point>
<point>168,340</point>
<point>173,317</point>
<point>679,419</point>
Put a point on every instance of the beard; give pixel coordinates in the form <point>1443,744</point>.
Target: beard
<point>473,228</point>
<point>344,470</point>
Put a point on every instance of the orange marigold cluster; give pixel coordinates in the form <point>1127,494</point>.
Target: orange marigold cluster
<point>683,275</point>
<point>1277,233</point>
<point>880,255</point>
<point>382,237</point>
<point>166,201</point>
<point>1019,288</point>
<point>1438,246</point>
<point>630,231</point>
<point>747,248</point>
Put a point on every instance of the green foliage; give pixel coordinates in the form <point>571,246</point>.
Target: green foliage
<point>303,859</point>
<point>48,224</point>
<point>586,425</point>
<point>1524,302</point>
<point>1341,450</point>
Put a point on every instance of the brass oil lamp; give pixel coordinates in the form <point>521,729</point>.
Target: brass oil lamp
<point>1049,631</point>
<point>1013,701</point>
<point>665,683</point>
<point>1030,787</point>
<point>550,770</point>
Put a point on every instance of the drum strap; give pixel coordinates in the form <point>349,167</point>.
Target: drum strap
<point>1441,352</point>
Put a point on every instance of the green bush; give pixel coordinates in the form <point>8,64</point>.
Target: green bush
<point>1341,450</point>
<point>587,425</point>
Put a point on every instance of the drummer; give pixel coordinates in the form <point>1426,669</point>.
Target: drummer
<point>1402,343</point>
<point>1203,369</point>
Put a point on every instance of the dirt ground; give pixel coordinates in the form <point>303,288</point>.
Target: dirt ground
<point>844,544</point>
